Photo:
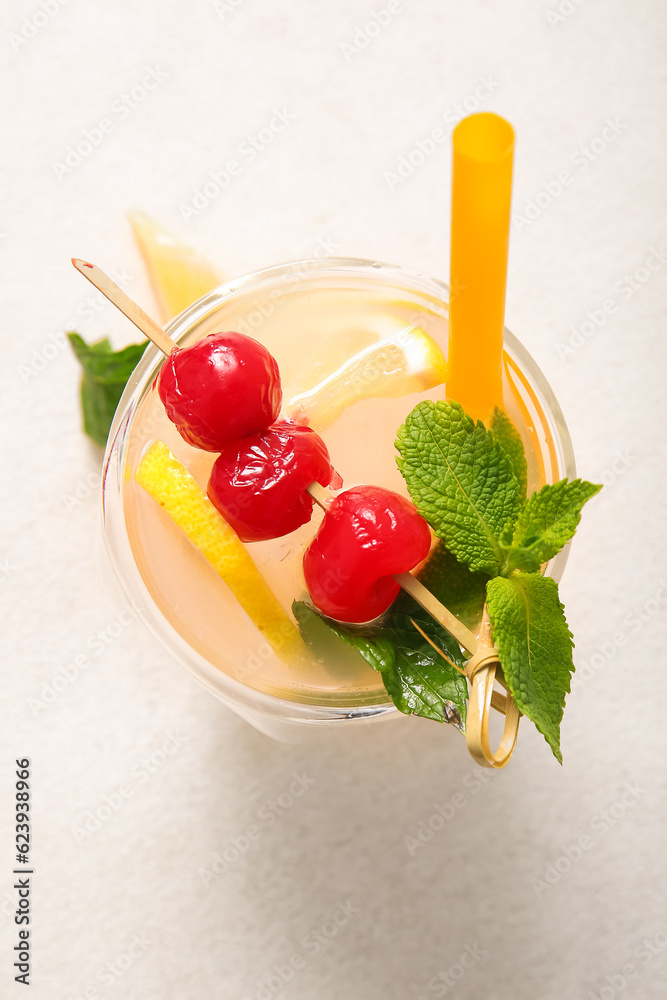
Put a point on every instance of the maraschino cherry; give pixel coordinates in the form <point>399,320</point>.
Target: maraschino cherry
<point>259,483</point>
<point>367,535</point>
<point>220,389</point>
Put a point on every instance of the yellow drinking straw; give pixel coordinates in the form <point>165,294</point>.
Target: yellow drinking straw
<point>481,197</point>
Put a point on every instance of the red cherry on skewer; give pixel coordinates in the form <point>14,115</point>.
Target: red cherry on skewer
<point>269,399</point>
<point>367,535</point>
<point>259,483</point>
<point>220,389</point>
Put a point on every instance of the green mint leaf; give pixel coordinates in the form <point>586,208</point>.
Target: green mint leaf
<point>461,591</point>
<point>460,481</point>
<point>509,439</point>
<point>98,405</point>
<point>418,680</point>
<point>547,521</point>
<point>105,374</point>
<point>535,647</point>
<point>104,365</point>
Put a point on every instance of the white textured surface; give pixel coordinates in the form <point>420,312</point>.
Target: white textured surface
<point>323,178</point>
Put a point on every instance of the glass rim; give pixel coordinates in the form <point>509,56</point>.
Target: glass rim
<point>235,693</point>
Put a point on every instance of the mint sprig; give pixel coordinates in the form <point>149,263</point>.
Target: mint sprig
<point>468,483</point>
<point>105,374</point>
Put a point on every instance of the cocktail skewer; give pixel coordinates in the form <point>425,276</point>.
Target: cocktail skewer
<point>320,495</point>
<point>480,669</point>
<point>127,306</point>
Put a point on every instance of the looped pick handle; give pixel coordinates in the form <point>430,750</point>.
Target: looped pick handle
<point>481,670</point>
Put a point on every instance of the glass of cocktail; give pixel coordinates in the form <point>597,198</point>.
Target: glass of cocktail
<point>313,316</point>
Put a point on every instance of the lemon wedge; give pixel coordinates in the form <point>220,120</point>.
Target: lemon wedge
<point>406,361</point>
<point>179,275</point>
<point>172,486</point>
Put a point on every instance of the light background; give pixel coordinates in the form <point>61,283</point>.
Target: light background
<point>495,879</point>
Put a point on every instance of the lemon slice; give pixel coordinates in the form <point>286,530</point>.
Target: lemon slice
<point>172,486</point>
<point>340,323</point>
<point>407,361</point>
<point>178,274</point>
